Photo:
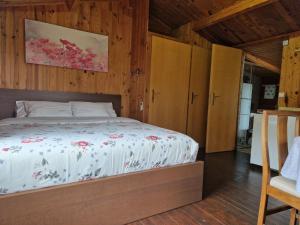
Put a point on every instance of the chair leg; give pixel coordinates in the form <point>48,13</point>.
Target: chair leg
<point>262,209</point>
<point>293,216</point>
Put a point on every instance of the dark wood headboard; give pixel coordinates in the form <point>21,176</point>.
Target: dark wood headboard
<point>8,98</point>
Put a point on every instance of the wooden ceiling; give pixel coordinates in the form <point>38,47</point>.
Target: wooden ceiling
<point>174,13</point>
<point>258,26</point>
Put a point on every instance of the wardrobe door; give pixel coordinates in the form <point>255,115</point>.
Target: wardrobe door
<point>198,94</point>
<point>169,84</point>
<point>225,78</point>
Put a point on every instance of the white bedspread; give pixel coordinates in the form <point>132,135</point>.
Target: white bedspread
<point>291,167</point>
<point>43,152</point>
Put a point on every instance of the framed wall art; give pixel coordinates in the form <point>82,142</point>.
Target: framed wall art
<point>54,45</point>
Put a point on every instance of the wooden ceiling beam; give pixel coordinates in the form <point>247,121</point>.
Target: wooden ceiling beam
<point>229,12</point>
<point>16,3</point>
<point>268,39</point>
<point>262,63</point>
<point>286,16</point>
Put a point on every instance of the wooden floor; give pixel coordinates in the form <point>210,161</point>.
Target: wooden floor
<point>232,191</point>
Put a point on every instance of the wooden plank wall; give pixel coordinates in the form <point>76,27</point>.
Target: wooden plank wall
<point>290,74</point>
<point>139,58</point>
<point>112,18</point>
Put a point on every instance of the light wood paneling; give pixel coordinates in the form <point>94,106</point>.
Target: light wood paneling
<point>169,84</point>
<point>225,79</point>
<point>198,94</point>
<point>112,18</point>
<point>290,74</point>
<point>139,58</point>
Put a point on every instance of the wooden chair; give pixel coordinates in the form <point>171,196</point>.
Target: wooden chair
<point>278,187</point>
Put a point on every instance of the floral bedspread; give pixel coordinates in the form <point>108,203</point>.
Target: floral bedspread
<point>37,153</point>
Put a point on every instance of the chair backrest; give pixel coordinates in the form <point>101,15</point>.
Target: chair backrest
<point>282,137</point>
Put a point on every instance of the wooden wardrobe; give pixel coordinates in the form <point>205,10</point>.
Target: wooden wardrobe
<point>179,87</point>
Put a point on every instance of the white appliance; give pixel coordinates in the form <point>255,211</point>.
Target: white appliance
<point>245,107</point>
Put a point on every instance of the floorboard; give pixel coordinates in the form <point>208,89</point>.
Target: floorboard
<point>231,196</point>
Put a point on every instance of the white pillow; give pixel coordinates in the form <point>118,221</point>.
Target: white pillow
<point>90,109</point>
<point>47,109</point>
<point>20,109</point>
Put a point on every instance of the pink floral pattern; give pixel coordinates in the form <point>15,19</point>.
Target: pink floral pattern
<point>32,140</point>
<point>46,154</point>
<point>81,144</point>
<point>153,138</point>
<point>65,54</point>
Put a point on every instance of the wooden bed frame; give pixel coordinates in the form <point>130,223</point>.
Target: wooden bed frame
<point>113,200</point>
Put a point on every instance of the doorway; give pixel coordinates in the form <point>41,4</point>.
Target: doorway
<point>259,91</point>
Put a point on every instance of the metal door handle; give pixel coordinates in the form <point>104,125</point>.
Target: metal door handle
<point>214,96</point>
<point>193,97</point>
<point>153,95</point>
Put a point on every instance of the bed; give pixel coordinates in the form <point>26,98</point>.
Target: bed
<point>98,170</point>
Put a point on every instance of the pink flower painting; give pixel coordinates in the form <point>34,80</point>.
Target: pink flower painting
<point>54,45</point>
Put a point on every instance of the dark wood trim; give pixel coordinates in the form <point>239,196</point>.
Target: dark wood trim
<point>111,201</point>
<point>278,209</point>
<point>269,39</point>
<point>8,98</point>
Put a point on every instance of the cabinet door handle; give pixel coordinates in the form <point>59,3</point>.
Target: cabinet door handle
<point>214,97</point>
<point>153,95</point>
<point>193,97</point>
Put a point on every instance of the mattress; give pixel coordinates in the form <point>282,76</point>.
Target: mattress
<point>42,152</point>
